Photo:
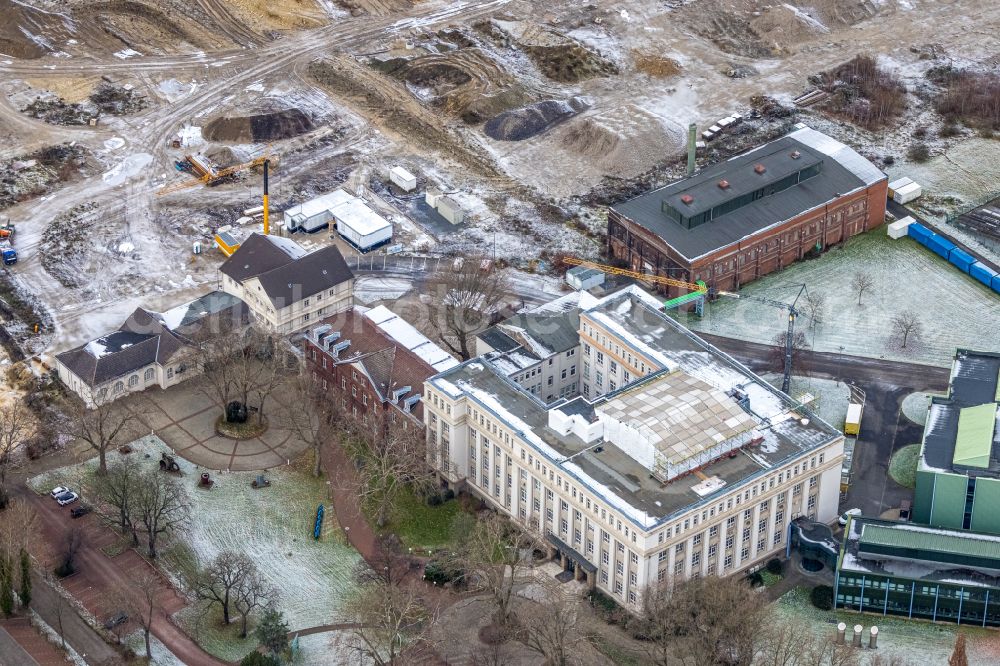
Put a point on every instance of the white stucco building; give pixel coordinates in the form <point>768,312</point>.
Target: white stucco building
<point>683,463</point>
<point>286,288</point>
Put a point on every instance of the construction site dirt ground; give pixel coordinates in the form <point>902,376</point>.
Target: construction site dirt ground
<point>630,76</point>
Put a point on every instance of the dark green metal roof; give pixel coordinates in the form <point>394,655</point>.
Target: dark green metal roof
<point>931,541</point>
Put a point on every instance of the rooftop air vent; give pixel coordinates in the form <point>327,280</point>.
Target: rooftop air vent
<point>723,184</point>
<point>687,198</point>
<point>759,168</point>
<point>795,154</point>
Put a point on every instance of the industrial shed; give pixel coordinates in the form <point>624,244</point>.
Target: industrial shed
<point>315,213</point>
<point>751,215</point>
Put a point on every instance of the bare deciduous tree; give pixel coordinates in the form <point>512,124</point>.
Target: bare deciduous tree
<point>253,593</point>
<point>390,619</point>
<point>815,308</point>
<point>106,425</point>
<point>115,496</point>
<point>550,624</point>
<point>17,425</point>
<point>799,342</point>
<point>242,365</point>
<point>310,413</point>
<point>704,621</point>
<point>161,507</point>
<point>906,324</point>
<point>862,282</point>
<point>139,601</point>
<point>393,456</point>
<point>219,581</point>
<point>470,294</point>
<point>491,550</point>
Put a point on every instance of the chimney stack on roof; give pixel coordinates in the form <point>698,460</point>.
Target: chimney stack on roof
<point>759,168</point>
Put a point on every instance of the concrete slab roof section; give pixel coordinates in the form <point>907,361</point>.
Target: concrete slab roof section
<point>842,171</point>
<point>682,415</point>
<point>946,556</point>
<point>788,430</point>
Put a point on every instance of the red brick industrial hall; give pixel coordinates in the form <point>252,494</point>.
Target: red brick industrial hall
<point>751,215</point>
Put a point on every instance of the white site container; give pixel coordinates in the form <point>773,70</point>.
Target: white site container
<point>897,184</point>
<point>405,180</point>
<point>431,196</point>
<point>450,210</point>
<point>907,193</point>
<point>361,226</point>
<point>898,229</point>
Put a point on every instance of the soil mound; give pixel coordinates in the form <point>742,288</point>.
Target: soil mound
<point>570,63</point>
<point>622,141</point>
<point>255,129</point>
<point>26,32</point>
<point>745,29</point>
<point>529,121</point>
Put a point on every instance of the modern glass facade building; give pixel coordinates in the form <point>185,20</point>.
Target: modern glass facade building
<point>918,572</point>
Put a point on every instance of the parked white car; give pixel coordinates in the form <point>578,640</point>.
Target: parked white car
<point>58,490</point>
<point>67,497</point>
<point>844,517</point>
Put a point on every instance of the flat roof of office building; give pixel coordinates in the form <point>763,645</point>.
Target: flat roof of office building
<point>843,171</point>
<point>786,429</point>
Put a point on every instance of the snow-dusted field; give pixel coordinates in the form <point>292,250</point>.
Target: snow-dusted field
<point>326,649</point>
<point>912,641</point>
<point>954,310</point>
<point>273,525</point>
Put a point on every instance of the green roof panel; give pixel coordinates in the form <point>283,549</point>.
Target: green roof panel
<point>928,540</point>
<point>975,435</point>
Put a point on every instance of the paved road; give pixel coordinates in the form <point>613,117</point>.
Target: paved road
<point>78,634</point>
<point>884,429</point>
<point>99,577</point>
<point>842,367</point>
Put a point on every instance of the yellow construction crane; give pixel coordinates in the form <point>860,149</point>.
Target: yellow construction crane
<point>698,290</point>
<point>207,175</point>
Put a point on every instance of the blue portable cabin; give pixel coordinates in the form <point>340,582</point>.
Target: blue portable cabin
<point>983,273</point>
<point>919,232</point>
<point>962,259</point>
<point>940,245</point>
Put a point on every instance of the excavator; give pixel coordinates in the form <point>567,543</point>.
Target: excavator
<point>207,174</point>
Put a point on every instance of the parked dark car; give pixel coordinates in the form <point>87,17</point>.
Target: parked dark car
<point>80,511</point>
<point>116,620</point>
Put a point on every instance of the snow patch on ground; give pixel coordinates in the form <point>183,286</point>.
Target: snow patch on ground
<point>327,649</point>
<point>162,656</point>
<point>130,167</point>
<point>372,289</point>
<point>114,143</point>
<point>125,54</point>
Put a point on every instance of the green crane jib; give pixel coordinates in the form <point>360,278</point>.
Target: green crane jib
<point>793,313</point>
